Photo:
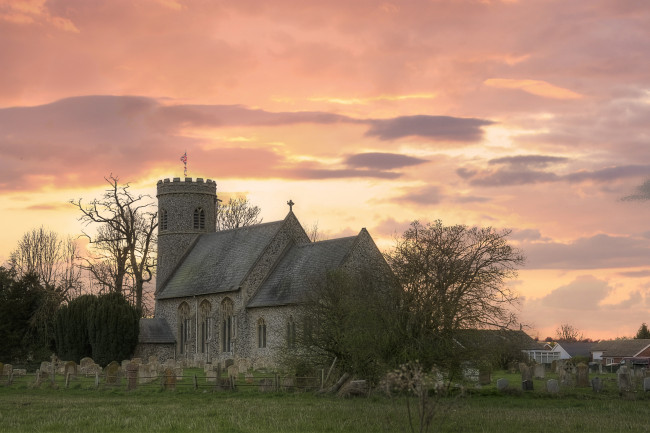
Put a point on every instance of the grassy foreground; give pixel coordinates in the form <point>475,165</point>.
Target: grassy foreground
<point>105,410</point>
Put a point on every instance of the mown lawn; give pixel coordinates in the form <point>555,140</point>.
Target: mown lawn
<point>23,408</point>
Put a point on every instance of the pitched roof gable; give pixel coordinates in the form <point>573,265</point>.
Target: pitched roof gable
<point>219,262</point>
<point>296,272</point>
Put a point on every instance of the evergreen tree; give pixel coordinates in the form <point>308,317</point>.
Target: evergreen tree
<point>643,332</point>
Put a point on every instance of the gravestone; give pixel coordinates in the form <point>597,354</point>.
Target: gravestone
<point>112,373</point>
<point>179,373</point>
<point>288,383</point>
<point>132,376</point>
<point>596,384</point>
<point>233,371</point>
<point>19,371</point>
<point>646,384</point>
<point>228,362</point>
<point>169,379</point>
<point>45,367</point>
<point>249,377</point>
<point>624,379</point>
<point>526,385</point>
<point>502,384</point>
<point>565,375</point>
<point>484,377</point>
<point>526,372</point>
<point>70,370</point>
<point>266,385</point>
<point>147,373</point>
<point>552,386</point>
<point>540,371</point>
<point>582,376</point>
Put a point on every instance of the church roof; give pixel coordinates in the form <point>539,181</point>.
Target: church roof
<point>219,262</point>
<point>155,331</point>
<point>297,271</point>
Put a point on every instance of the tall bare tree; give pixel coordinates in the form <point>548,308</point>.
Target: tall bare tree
<point>125,239</point>
<point>454,277</point>
<point>238,212</point>
<point>568,332</point>
<point>51,258</point>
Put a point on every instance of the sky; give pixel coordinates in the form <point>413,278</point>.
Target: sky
<point>530,115</point>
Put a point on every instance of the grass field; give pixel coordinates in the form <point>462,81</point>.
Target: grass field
<point>81,409</point>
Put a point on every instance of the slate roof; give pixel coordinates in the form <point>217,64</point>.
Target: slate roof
<point>576,348</point>
<point>294,275</point>
<point>155,330</point>
<point>218,262</point>
<point>621,348</point>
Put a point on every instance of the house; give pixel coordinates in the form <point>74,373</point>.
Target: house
<point>547,352</point>
<point>612,352</point>
<point>237,294</point>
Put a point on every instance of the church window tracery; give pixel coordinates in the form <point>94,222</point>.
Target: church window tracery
<point>206,324</point>
<point>183,327</point>
<point>227,325</point>
<point>261,333</point>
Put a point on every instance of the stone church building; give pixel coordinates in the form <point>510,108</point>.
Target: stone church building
<point>236,294</point>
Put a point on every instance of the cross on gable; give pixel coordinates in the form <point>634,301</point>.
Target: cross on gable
<point>290,203</point>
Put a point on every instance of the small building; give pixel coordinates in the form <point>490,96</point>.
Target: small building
<point>612,352</point>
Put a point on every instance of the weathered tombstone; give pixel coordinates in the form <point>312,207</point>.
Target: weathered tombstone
<point>228,362</point>
<point>582,376</point>
<point>502,384</point>
<point>19,371</point>
<point>179,373</point>
<point>596,384</point>
<point>211,376</point>
<point>70,369</point>
<point>146,373</point>
<point>484,376</point>
<point>233,371</point>
<point>565,376</point>
<point>45,367</point>
<point>646,384</point>
<point>540,371</point>
<point>624,379</point>
<point>132,375</point>
<point>266,385</point>
<point>526,372</point>
<point>554,366</point>
<point>112,373</point>
<point>249,377</point>
<point>552,386</point>
<point>526,385</point>
<point>169,379</point>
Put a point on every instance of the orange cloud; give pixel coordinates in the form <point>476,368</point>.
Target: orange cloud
<point>534,87</point>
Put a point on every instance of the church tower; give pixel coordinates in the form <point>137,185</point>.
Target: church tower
<point>186,209</point>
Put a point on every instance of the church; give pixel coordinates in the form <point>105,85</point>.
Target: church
<point>236,294</point>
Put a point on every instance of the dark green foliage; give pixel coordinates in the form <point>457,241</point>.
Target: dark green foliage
<point>643,332</point>
<point>72,325</point>
<point>103,327</point>
<point>21,335</point>
<point>355,320</point>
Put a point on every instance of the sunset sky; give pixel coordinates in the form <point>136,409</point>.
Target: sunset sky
<point>530,115</point>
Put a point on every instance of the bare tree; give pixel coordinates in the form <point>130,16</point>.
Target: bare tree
<point>51,258</point>
<point>125,239</point>
<point>314,233</point>
<point>238,212</point>
<point>454,277</point>
<point>568,332</point>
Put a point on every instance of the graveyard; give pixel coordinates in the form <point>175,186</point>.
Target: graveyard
<point>129,397</point>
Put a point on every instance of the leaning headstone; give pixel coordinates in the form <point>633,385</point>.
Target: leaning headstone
<point>540,371</point>
<point>132,375</point>
<point>552,386</point>
<point>624,379</point>
<point>70,369</point>
<point>582,376</point>
<point>526,385</point>
<point>596,384</point>
<point>502,384</point>
<point>646,384</point>
<point>112,373</point>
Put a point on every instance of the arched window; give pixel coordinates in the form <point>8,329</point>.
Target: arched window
<point>163,220</point>
<point>227,325</point>
<point>261,333</point>
<point>183,327</point>
<point>206,324</point>
<point>291,333</point>
<point>199,219</point>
